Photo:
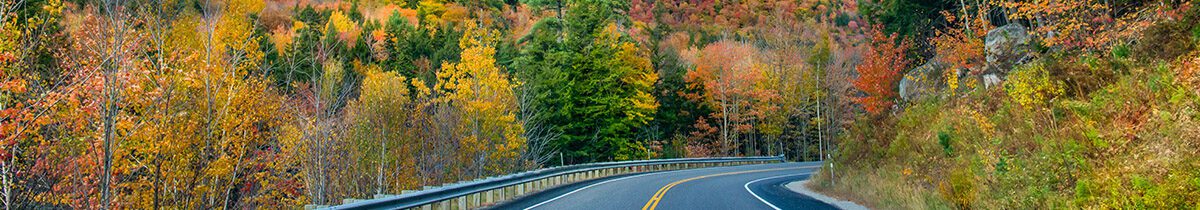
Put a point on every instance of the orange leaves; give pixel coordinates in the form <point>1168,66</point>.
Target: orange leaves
<point>962,47</point>
<point>12,86</point>
<point>1071,24</point>
<point>722,68</point>
<point>733,82</point>
<point>880,70</point>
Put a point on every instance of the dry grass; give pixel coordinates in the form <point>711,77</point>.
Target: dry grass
<point>1129,144</point>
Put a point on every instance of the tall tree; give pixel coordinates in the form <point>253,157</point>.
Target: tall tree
<point>731,77</point>
<point>880,70</point>
<point>593,72</point>
<point>483,94</point>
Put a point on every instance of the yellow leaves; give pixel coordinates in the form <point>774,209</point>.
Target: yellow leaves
<point>346,29</point>
<point>282,38</point>
<point>1031,85</point>
<point>53,9</point>
<point>609,36</point>
<point>1065,23</point>
<point>433,9</point>
<point>384,88</point>
<point>332,74</point>
<point>421,88</point>
<point>952,80</point>
<point>478,36</point>
<point>298,25</point>
<point>234,31</point>
<point>244,7</point>
<point>485,98</point>
<point>639,76</point>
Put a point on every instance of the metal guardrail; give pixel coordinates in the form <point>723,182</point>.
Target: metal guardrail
<point>479,193</point>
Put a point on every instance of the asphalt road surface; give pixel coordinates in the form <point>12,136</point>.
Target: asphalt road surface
<point>733,187</point>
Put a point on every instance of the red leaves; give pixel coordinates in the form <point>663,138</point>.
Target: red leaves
<point>880,70</point>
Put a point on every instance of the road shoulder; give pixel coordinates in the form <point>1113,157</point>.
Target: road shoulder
<point>799,187</point>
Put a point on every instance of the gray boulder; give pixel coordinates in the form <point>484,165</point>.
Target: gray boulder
<point>925,80</point>
<point>1006,46</point>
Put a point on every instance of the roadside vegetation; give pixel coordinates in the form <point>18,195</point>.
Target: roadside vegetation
<point>278,104</point>
<point>1102,113</point>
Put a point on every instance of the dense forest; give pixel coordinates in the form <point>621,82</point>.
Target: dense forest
<point>202,104</point>
<point>282,103</point>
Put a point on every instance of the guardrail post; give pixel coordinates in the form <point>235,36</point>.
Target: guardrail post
<point>470,201</point>
<point>490,198</point>
<point>502,196</point>
<point>478,200</point>
<point>521,189</point>
<point>462,202</point>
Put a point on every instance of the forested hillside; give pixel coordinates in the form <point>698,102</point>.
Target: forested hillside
<point>201,104</point>
<point>1025,105</point>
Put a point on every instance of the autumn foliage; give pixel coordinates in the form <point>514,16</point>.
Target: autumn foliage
<point>730,75</point>
<point>880,70</point>
<point>238,104</point>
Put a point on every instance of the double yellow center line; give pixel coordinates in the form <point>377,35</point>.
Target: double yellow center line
<point>653,203</point>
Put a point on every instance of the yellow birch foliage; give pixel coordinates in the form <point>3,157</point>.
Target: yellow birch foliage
<point>347,30</point>
<point>484,95</point>
<point>1031,85</point>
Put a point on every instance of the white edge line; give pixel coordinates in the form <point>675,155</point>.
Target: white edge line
<point>646,174</point>
<point>592,185</point>
<point>747,186</point>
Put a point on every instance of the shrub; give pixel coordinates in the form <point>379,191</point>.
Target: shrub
<point>961,187</point>
<point>1082,75</point>
<point>1030,85</point>
<point>944,140</point>
<point>1169,39</point>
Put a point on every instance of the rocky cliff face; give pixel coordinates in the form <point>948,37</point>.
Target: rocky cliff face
<point>1006,47</point>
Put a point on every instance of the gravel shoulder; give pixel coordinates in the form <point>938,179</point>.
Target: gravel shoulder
<point>800,187</point>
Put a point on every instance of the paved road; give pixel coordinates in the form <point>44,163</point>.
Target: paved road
<point>734,187</point>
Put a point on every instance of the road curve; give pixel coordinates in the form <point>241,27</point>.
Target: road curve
<point>732,187</point>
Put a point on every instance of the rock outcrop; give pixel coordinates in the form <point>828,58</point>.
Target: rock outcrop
<point>925,80</point>
<point>1006,46</point>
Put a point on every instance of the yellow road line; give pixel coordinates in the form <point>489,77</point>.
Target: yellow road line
<point>653,203</point>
